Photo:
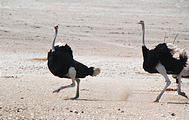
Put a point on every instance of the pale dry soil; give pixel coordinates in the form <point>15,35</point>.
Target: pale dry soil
<point>101,33</point>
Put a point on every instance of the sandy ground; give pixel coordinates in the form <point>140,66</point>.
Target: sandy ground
<point>102,33</point>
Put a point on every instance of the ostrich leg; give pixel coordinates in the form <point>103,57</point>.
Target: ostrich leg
<point>63,87</point>
<point>161,69</point>
<point>77,91</point>
<point>179,87</point>
<point>71,74</point>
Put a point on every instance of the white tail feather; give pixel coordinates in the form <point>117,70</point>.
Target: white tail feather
<point>175,51</point>
<point>96,71</point>
<point>59,44</point>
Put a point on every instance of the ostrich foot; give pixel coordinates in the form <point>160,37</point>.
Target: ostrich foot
<point>63,87</point>
<point>77,96</point>
<point>74,98</point>
<point>183,94</point>
<point>56,91</point>
<point>156,101</point>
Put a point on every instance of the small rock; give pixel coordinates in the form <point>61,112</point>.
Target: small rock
<point>173,114</point>
<point>82,111</point>
<point>162,115</point>
<point>76,112</point>
<point>1,107</point>
<point>122,111</point>
<point>6,31</point>
<point>22,98</point>
<point>19,110</point>
<point>119,109</point>
<point>37,27</point>
<point>71,111</point>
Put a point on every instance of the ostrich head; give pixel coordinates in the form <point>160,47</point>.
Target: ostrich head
<point>56,28</point>
<point>141,22</point>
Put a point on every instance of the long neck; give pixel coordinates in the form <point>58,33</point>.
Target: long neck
<point>145,50</point>
<point>53,48</point>
<point>143,34</point>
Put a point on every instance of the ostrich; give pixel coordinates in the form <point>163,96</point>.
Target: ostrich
<point>62,64</point>
<point>161,60</point>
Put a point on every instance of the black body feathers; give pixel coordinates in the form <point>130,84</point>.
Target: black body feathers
<point>162,54</point>
<point>82,70</point>
<point>62,59</point>
<point>150,60</point>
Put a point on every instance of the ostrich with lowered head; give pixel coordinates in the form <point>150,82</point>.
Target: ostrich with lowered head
<point>161,60</point>
<point>62,64</point>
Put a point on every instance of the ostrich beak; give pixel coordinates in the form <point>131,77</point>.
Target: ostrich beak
<point>138,22</point>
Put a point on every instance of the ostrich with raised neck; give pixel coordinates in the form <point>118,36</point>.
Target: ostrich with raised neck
<point>62,64</point>
<point>161,60</point>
